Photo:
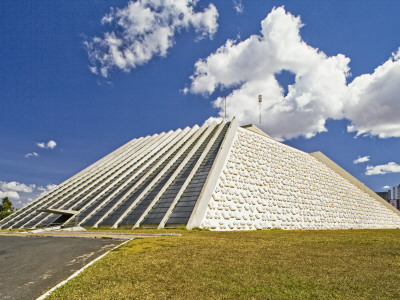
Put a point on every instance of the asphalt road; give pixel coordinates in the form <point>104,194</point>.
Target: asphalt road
<point>31,265</point>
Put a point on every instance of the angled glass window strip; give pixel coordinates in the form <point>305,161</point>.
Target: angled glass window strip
<point>165,181</point>
<point>71,183</point>
<point>99,184</point>
<point>133,178</point>
<point>28,214</point>
<point>149,172</point>
<point>115,180</point>
<point>185,205</point>
<point>141,206</point>
<point>157,213</point>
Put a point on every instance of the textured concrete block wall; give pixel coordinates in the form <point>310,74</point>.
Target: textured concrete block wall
<point>266,184</point>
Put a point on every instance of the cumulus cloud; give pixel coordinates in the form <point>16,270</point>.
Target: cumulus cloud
<point>210,120</point>
<point>319,92</point>
<point>250,67</point>
<point>386,187</point>
<point>383,169</point>
<point>16,186</point>
<point>49,145</point>
<point>47,188</point>
<point>12,195</point>
<point>21,194</point>
<point>32,154</point>
<point>144,29</point>
<point>361,160</point>
<point>374,104</point>
<point>238,6</point>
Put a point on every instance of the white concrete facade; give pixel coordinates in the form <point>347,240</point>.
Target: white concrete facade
<point>266,184</point>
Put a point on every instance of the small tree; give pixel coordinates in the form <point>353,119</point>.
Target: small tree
<point>6,208</point>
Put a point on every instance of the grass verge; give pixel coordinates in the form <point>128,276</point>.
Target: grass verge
<point>351,264</point>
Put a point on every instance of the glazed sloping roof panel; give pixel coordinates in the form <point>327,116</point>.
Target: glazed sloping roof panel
<point>184,207</point>
<point>65,187</point>
<point>118,189</point>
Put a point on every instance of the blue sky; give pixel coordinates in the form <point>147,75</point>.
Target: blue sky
<point>61,80</point>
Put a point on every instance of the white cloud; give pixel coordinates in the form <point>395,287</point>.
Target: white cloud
<point>47,188</point>
<point>49,145</point>
<point>386,187</point>
<point>238,6</point>
<point>16,186</point>
<point>319,92</point>
<point>210,120</point>
<point>361,159</point>
<point>249,68</point>
<point>383,169</point>
<point>144,29</point>
<point>33,154</point>
<point>21,194</point>
<point>12,195</point>
<point>374,104</point>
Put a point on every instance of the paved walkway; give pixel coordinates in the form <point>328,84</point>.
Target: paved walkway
<point>30,265</point>
<point>89,234</point>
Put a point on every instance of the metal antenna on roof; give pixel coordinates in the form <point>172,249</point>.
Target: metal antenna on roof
<point>259,106</point>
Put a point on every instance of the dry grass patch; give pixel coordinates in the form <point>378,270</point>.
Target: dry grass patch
<point>353,264</point>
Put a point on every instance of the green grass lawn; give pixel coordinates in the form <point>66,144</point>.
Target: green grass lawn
<point>274,264</point>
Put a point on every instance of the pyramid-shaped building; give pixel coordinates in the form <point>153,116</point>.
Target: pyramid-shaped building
<point>218,176</point>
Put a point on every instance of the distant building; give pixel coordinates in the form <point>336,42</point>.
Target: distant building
<point>395,203</point>
<point>392,196</point>
<point>386,195</point>
<point>396,192</point>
